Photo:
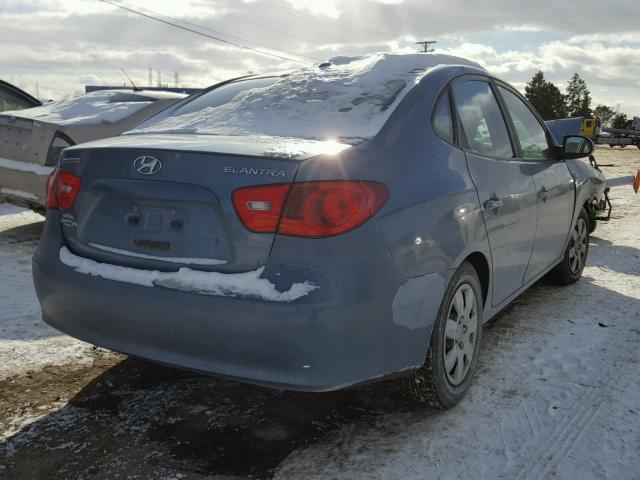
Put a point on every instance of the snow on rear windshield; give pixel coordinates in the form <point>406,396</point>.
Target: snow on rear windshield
<point>348,98</point>
<point>100,106</point>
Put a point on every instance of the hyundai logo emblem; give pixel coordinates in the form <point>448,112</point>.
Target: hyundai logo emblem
<point>147,165</point>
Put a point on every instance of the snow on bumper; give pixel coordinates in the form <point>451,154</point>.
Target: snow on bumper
<point>248,284</point>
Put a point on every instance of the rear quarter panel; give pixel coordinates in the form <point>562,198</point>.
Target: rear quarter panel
<point>589,183</point>
<point>433,220</point>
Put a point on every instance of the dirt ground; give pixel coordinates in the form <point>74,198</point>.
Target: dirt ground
<point>556,395</point>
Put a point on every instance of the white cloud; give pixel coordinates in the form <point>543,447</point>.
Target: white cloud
<point>64,44</point>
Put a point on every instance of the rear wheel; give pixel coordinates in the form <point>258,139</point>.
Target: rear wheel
<point>575,255</point>
<point>453,350</point>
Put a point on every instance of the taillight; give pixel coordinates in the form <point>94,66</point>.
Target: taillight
<point>259,207</point>
<point>309,209</point>
<point>62,189</point>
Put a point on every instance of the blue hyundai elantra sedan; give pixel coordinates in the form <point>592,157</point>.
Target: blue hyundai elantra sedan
<point>319,228</point>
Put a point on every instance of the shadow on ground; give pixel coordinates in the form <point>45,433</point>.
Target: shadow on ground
<point>135,418</point>
<point>23,233</point>
<point>154,420</point>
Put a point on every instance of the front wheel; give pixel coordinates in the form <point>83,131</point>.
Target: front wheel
<point>453,350</point>
<point>575,256</point>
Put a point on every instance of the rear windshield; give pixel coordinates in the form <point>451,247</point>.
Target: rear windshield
<point>346,98</point>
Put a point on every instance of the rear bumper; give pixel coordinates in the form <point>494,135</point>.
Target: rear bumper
<point>362,322</point>
<point>23,186</point>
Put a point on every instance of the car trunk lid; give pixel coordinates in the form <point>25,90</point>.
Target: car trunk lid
<point>163,202</point>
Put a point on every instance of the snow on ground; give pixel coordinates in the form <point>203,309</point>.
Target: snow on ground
<point>26,343</point>
<point>556,394</point>
<point>95,107</point>
<point>351,97</point>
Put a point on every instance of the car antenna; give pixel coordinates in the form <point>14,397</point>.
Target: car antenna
<point>135,89</point>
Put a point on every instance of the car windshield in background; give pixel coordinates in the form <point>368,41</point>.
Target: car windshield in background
<point>108,106</point>
<point>11,101</point>
<point>348,98</point>
<point>122,97</point>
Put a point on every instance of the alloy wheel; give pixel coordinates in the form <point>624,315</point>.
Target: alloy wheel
<point>460,334</point>
<point>578,246</point>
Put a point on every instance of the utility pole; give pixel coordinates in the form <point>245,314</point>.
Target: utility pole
<point>176,78</point>
<point>150,77</point>
<point>426,46</point>
<point>159,79</point>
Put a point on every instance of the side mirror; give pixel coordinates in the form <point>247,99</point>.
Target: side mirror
<point>575,146</point>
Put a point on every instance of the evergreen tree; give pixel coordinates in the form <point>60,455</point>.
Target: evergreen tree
<point>619,120</point>
<point>545,97</point>
<point>605,114</point>
<point>578,98</point>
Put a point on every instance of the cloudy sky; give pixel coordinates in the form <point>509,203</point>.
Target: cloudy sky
<point>64,44</point>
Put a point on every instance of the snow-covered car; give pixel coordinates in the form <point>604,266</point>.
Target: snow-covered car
<point>312,230</point>
<point>31,140</point>
<point>14,98</point>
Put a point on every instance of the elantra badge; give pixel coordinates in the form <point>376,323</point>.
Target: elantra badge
<point>267,172</point>
<point>147,165</point>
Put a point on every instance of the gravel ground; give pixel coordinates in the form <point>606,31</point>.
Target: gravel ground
<point>556,394</point>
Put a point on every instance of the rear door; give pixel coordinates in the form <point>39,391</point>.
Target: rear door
<point>554,183</point>
<point>505,186</point>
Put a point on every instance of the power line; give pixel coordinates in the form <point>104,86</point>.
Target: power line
<point>218,39</point>
<point>332,22</point>
<point>340,24</point>
<point>201,27</point>
<point>286,34</point>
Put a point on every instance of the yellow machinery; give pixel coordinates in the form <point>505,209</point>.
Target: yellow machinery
<point>590,127</point>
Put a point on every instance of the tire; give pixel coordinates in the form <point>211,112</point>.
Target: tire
<point>593,223</point>
<point>611,145</point>
<point>433,384</point>
<point>575,255</point>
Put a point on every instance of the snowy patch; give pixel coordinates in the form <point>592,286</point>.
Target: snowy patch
<point>26,343</point>
<point>248,284</point>
<point>96,107</point>
<point>348,98</point>
<point>182,260</point>
<point>25,167</point>
<point>18,193</point>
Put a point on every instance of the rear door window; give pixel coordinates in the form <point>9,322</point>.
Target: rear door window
<point>443,120</point>
<point>531,135</point>
<point>482,120</point>
<point>11,101</point>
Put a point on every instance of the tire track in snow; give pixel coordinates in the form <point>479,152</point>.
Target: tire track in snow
<point>566,433</point>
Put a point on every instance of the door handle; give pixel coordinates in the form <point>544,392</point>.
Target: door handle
<point>543,194</point>
<point>493,203</point>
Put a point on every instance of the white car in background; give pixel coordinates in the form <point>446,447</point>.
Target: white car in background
<point>31,140</point>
